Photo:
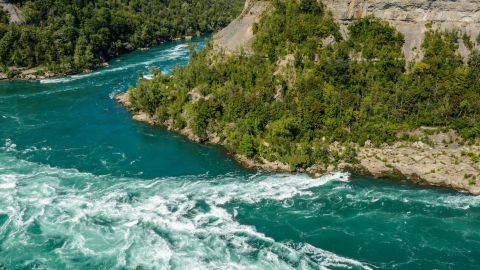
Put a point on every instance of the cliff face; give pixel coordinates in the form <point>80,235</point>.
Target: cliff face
<point>410,17</point>
<point>407,16</point>
<point>238,35</point>
<point>13,11</point>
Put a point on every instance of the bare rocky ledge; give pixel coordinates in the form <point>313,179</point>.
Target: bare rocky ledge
<point>40,73</point>
<point>436,159</point>
<point>28,74</point>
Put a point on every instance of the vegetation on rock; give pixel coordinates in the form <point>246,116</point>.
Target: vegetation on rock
<point>305,87</point>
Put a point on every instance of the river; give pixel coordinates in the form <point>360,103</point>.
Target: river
<point>83,186</point>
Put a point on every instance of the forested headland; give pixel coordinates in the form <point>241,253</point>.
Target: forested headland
<point>64,37</point>
<point>305,87</point>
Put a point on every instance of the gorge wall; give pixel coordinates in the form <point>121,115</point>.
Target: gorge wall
<point>407,16</point>
<point>410,17</point>
<point>238,35</point>
<point>13,11</point>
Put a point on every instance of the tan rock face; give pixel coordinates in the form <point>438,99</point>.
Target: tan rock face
<point>458,11</point>
<point>442,162</point>
<point>238,35</point>
<point>410,17</point>
<point>14,13</point>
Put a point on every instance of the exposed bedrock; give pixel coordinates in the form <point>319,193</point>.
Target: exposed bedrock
<point>410,17</point>
<point>15,16</point>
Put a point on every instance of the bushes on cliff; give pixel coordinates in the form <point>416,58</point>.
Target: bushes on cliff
<point>474,69</point>
<point>298,92</point>
<point>293,25</point>
<point>3,17</point>
<point>441,90</point>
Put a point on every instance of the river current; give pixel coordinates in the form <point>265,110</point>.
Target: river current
<point>83,186</point>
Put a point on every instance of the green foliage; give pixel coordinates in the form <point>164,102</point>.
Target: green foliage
<point>474,69</point>
<point>467,41</point>
<point>71,36</point>
<point>291,25</point>
<point>3,20</point>
<point>295,95</point>
<point>246,146</point>
<point>363,32</point>
<point>472,182</point>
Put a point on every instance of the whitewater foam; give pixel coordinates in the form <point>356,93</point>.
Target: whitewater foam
<point>148,76</point>
<point>178,52</point>
<point>9,146</point>
<point>158,223</point>
<point>8,181</point>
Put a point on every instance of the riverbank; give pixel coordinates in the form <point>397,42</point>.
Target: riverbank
<point>429,157</point>
<point>42,73</point>
<point>39,73</point>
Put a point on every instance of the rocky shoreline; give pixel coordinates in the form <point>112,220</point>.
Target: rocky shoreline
<point>38,73</point>
<point>28,74</point>
<point>41,73</point>
<point>430,157</point>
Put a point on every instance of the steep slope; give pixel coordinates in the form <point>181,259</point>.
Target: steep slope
<point>13,11</point>
<point>238,34</point>
<point>410,17</point>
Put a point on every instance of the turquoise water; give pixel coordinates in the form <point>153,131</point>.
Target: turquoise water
<point>82,186</point>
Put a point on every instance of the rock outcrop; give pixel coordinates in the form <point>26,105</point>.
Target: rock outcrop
<point>124,100</point>
<point>410,17</point>
<point>13,11</point>
<point>444,161</point>
<point>238,35</point>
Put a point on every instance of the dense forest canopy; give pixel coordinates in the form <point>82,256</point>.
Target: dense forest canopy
<point>306,87</point>
<point>71,36</point>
